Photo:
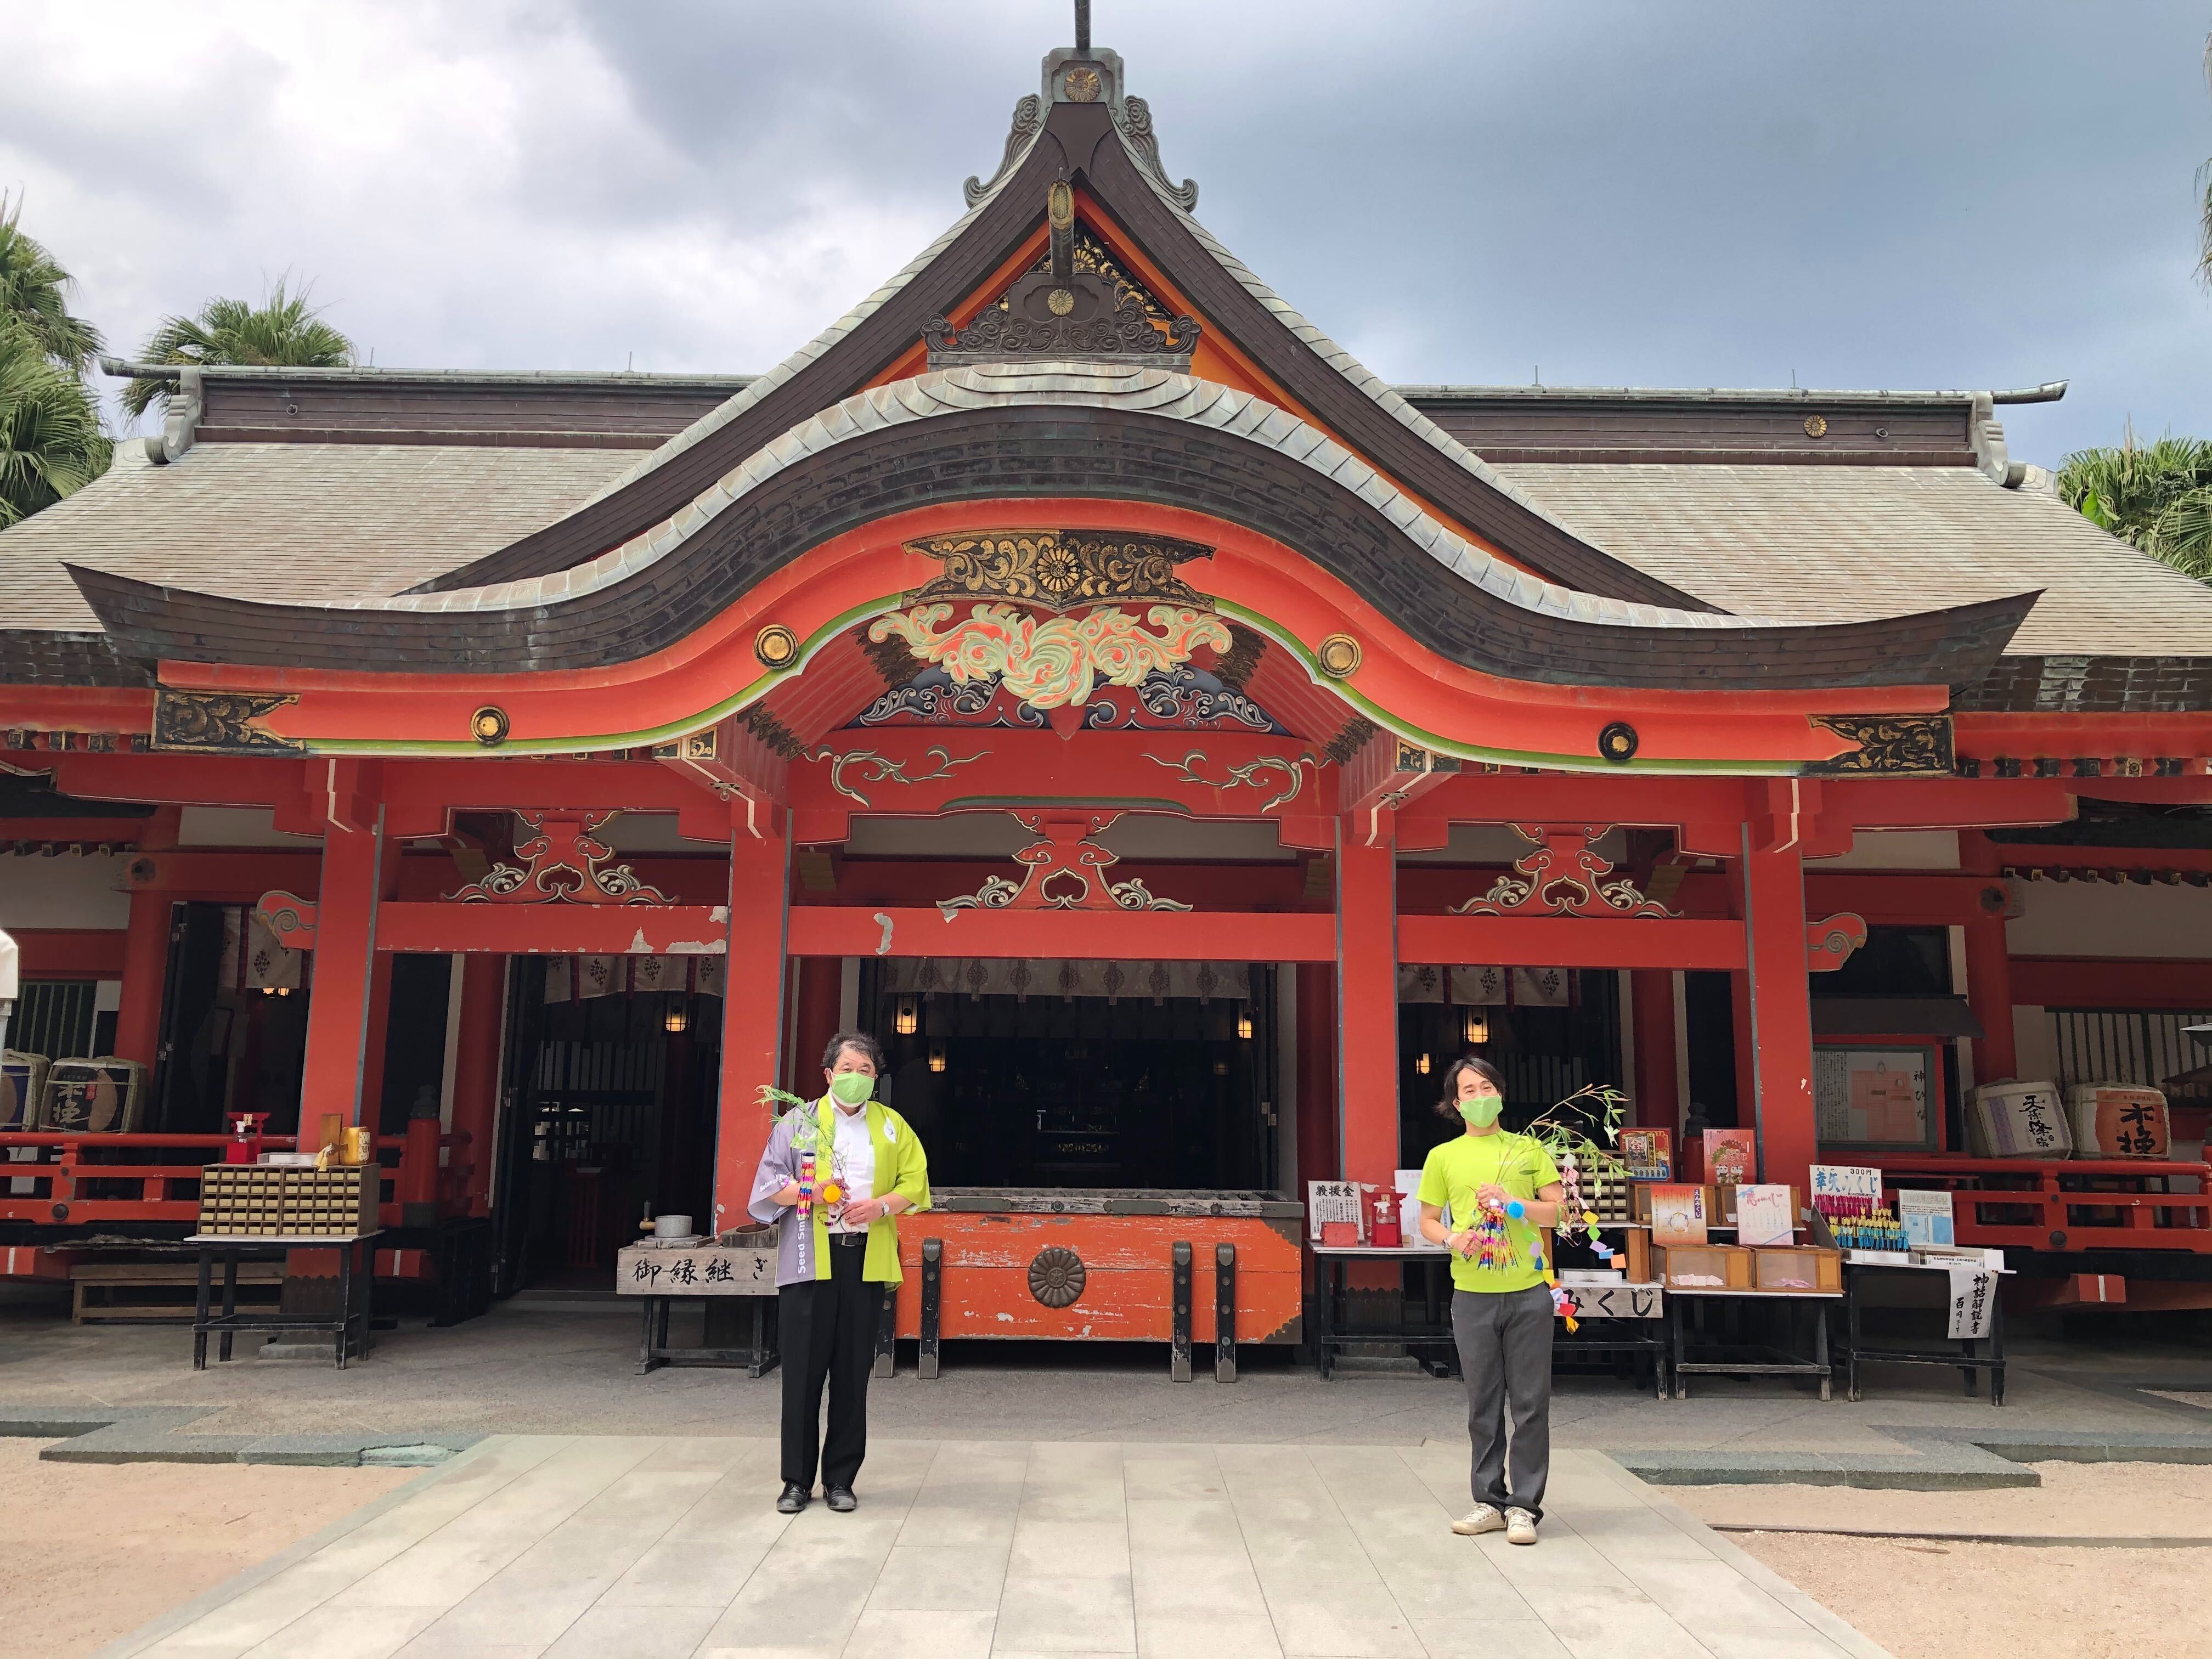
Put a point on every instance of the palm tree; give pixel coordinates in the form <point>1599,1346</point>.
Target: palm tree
<point>33,294</point>
<point>2155,496</point>
<point>283,331</point>
<point>51,443</point>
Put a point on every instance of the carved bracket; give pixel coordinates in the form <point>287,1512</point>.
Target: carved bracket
<point>290,917</point>
<point>1063,854</point>
<point>567,864</point>
<point>875,768</point>
<point>1562,876</point>
<point>1829,942</point>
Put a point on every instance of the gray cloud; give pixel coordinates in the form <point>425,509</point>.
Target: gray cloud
<point>1701,193</point>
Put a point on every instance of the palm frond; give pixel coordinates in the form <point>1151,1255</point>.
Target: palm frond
<point>283,331</point>
<point>50,441</point>
<point>34,291</point>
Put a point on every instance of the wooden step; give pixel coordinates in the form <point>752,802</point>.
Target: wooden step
<point>146,1292</point>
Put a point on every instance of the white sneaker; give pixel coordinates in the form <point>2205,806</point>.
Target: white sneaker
<point>1483,1518</point>
<point>1520,1527</point>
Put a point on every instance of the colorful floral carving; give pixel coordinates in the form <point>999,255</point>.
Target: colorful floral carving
<point>1056,662</point>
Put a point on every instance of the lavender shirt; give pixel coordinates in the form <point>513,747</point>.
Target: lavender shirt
<point>779,1167</point>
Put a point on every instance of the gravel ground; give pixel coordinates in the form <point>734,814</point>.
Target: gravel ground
<point>1926,1600</point>
<point>89,1551</point>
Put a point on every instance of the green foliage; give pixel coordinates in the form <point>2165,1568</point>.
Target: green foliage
<point>283,331</point>
<point>35,296</point>
<point>1572,1124</point>
<point>50,443</point>
<point>2157,497</point>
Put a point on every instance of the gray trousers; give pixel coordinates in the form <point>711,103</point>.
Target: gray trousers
<point>1504,1339</point>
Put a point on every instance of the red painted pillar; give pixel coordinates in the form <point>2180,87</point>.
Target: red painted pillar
<point>1367,1005</point>
<point>475,1072</point>
<point>146,952</point>
<point>1781,1011</point>
<point>752,1014</point>
<point>820,985</point>
<point>1652,1014</point>
<point>344,1070</point>
<point>1989,964</point>
<point>1318,1155</point>
<point>145,974</point>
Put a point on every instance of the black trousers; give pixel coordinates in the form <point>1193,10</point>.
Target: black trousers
<point>827,1334</point>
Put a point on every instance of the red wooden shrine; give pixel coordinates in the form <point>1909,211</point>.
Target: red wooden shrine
<point>1071,601</point>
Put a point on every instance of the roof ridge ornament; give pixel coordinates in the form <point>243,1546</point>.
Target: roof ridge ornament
<point>1028,121</point>
<point>1133,117</point>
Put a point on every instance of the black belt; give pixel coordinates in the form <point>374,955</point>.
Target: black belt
<point>851,1241</point>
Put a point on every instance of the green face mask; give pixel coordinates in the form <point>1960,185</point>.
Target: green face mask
<point>1481,1111</point>
<point>852,1088</point>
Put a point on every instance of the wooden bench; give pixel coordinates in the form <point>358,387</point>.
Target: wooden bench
<point>158,1292</point>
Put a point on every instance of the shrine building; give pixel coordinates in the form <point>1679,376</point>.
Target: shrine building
<point>1175,743</point>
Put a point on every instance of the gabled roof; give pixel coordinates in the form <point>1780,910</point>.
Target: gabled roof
<point>1048,429</point>
<point>1104,144</point>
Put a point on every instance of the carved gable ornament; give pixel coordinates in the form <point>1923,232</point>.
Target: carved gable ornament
<point>1060,310</point>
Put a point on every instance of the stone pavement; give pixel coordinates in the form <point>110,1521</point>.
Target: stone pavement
<point>621,1547</point>
<point>526,1369</point>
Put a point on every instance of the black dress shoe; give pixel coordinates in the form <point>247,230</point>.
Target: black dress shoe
<point>842,1501</point>
<point>795,1497</point>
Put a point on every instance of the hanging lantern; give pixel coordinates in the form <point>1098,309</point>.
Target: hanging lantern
<point>1421,1064</point>
<point>936,1056</point>
<point>1477,1027</point>
<point>908,1020</point>
<point>1244,1022</point>
<point>676,1018</point>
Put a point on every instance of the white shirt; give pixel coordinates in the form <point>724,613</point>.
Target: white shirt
<point>852,1164</point>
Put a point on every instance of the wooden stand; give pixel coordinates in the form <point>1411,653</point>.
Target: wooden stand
<point>348,1327</point>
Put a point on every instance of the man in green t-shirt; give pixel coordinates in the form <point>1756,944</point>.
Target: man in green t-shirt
<point>1488,1197</point>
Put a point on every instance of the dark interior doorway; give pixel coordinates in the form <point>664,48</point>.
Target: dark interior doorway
<point>609,1112</point>
<point>1051,1091</point>
<point>1546,1052</point>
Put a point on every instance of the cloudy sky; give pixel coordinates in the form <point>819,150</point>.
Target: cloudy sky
<point>1702,192</point>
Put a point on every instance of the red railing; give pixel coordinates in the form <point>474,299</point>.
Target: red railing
<point>80,1179</point>
<point>2067,1204</point>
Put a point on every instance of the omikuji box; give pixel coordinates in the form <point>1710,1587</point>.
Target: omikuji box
<point>256,1200</point>
<point>1702,1267</point>
<point>1808,1267</point>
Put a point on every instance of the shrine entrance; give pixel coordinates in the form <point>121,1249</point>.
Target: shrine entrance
<point>608,1113</point>
<point>1085,1074</point>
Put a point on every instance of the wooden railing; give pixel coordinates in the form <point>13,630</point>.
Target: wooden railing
<point>2067,1204</point>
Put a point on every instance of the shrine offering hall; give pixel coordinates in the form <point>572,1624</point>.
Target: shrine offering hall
<point>1175,745</point>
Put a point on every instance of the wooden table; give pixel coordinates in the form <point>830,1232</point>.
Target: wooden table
<point>1612,1302</point>
<point>1754,1362</point>
<point>659,1275</point>
<point>348,1327</point>
<point>1969,1354</point>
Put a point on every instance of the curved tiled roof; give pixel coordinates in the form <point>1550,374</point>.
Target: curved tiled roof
<point>1051,428</point>
<point>1154,391</point>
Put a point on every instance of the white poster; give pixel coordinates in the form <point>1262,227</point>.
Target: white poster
<point>1973,1300</point>
<point>1762,1216</point>
<point>1926,1217</point>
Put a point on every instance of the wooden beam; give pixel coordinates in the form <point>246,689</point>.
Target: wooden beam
<point>1126,935</point>
<point>1572,942</point>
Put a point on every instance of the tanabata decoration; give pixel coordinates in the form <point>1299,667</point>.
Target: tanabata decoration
<point>1566,1132</point>
<point>805,1141</point>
